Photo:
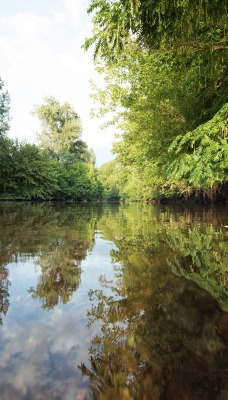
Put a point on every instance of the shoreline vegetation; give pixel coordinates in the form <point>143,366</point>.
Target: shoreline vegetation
<point>194,199</point>
<point>165,92</point>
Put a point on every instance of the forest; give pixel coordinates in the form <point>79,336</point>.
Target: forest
<point>164,65</point>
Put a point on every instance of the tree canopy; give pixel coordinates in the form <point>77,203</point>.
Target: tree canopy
<point>61,125</point>
<point>165,68</point>
<point>157,24</point>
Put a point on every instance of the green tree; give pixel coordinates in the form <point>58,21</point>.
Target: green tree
<point>61,137</point>
<point>165,67</point>
<point>78,152</point>
<point>4,109</point>
<point>27,172</point>
<point>6,163</point>
<point>61,125</point>
<point>109,177</point>
<point>149,111</point>
<point>78,182</point>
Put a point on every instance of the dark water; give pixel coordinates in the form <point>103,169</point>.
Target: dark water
<point>113,302</point>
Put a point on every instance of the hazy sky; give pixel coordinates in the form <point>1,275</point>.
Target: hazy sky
<point>41,55</point>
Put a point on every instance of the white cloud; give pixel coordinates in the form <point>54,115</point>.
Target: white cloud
<point>37,355</point>
<point>41,55</point>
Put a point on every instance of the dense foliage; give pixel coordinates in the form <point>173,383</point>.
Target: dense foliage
<point>109,177</point>
<point>165,68</point>
<point>27,172</point>
<point>157,24</point>
<point>61,167</point>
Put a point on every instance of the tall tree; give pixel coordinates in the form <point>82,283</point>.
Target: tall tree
<point>4,109</point>
<point>61,125</point>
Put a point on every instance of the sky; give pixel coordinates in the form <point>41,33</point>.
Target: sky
<point>41,55</point>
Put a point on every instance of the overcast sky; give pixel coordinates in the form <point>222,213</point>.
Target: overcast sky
<point>41,55</point>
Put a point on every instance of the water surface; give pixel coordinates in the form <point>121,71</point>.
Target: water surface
<point>113,302</point>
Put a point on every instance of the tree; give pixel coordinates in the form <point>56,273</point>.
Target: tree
<point>27,172</point>
<point>157,24</point>
<point>78,152</point>
<point>77,182</point>
<point>4,109</point>
<point>165,67</point>
<point>61,125</point>
<point>109,177</point>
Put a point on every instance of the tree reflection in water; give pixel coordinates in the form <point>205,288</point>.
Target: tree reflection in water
<point>159,343</point>
<point>163,336</point>
<point>57,235</point>
<point>4,291</point>
<point>60,273</point>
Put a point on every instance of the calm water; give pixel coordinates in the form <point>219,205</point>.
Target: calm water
<point>113,302</point>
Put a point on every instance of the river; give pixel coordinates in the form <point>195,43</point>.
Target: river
<point>113,301</point>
